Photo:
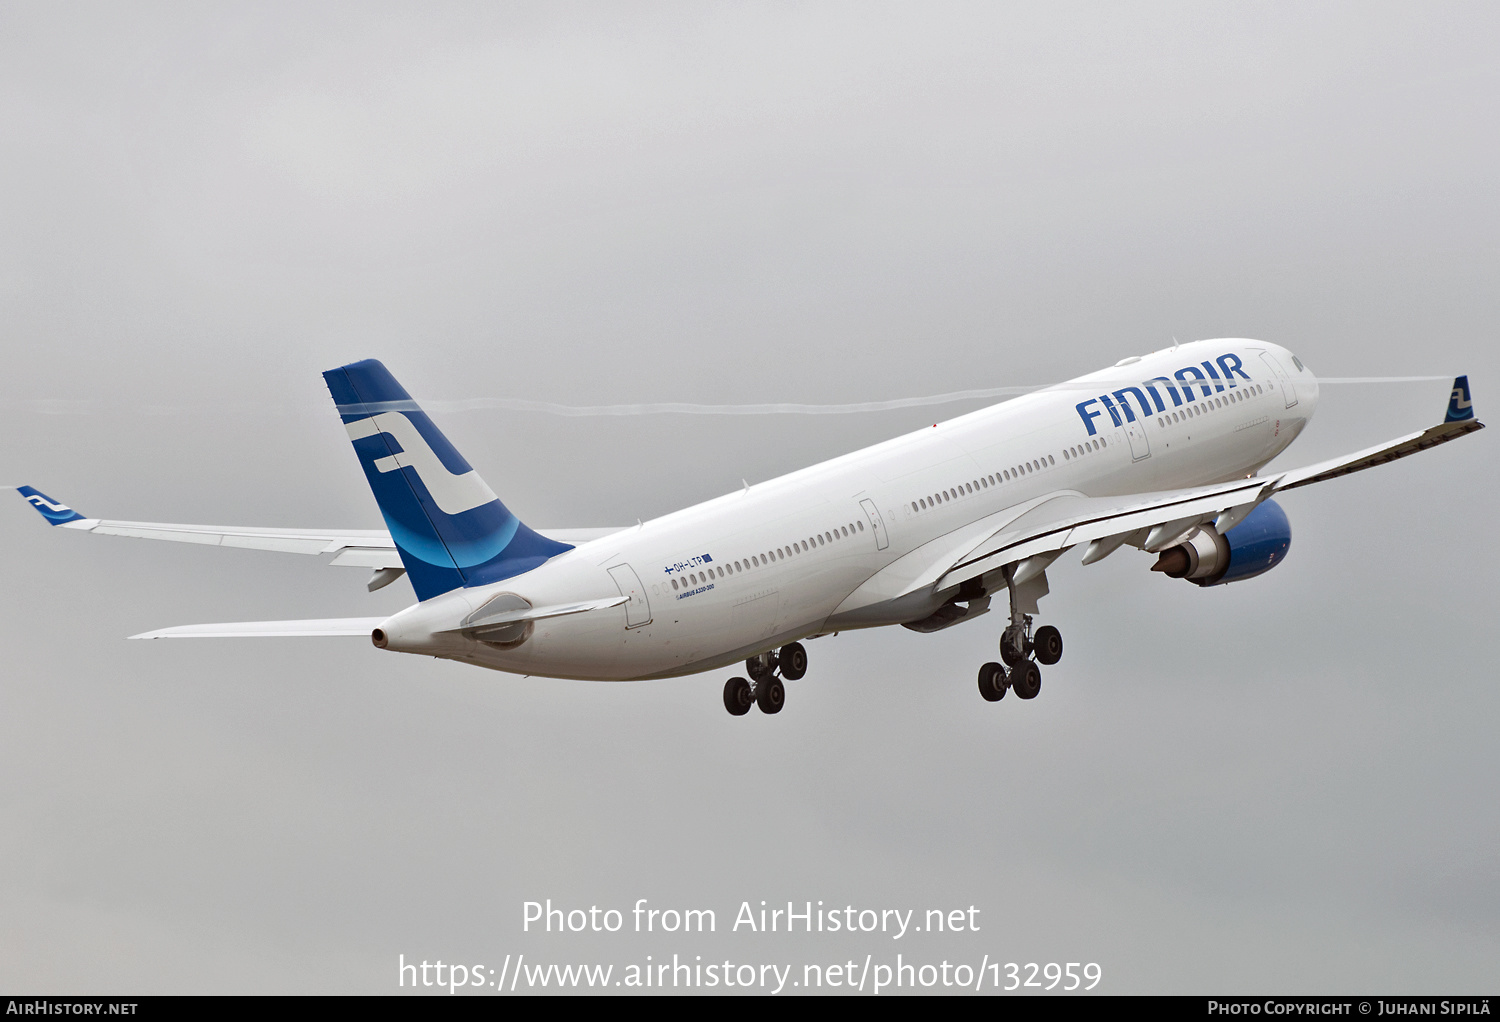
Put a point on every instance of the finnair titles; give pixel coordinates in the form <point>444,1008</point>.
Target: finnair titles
<point>926,531</point>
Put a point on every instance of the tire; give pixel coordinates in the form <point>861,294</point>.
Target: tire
<point>770,695</point>
<point>793,661</point>
<point>737,696</point>
<point>1048,643</point>
<point>992,683</point>
<point>1026,679</point>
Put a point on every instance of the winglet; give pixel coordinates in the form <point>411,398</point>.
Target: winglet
<point>1460,407</point>
<point>55,513</point>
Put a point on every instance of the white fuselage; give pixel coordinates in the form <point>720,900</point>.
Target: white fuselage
<point>838,545</point>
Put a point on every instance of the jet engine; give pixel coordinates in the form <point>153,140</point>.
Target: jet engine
<point>1254,546</point>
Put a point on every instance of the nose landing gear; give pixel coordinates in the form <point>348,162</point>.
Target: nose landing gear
<point>765,688</point>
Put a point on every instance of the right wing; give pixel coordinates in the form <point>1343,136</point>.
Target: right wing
<point>362,548</point>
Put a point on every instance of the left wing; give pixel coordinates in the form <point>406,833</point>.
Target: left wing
<point>362,548</point>
<point>1458,422</point>
<point>1156,521</point>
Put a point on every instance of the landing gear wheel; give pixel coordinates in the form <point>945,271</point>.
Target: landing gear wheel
<point>1048,644</point>
<point>1009,653</point>
<point>992,682</point>
<point>1026,679</point>
<point>793,661</point>
<point>737,696</point>
<point>770,695</point>
<point>760,667</point>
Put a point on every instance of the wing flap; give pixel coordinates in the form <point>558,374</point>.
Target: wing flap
<point>368,557</point>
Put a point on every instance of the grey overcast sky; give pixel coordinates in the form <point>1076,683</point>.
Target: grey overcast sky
<point>1287,785</point>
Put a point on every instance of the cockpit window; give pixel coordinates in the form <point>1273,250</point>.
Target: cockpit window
<point>1298,363</point>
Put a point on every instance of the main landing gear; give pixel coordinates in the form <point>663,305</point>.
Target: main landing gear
<point>1022,650</point>
<point>765,688</point>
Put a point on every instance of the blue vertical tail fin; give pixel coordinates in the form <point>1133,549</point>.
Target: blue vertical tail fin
<point>449,527</point>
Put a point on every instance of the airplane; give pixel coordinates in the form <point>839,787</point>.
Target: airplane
<point>1160,452</point>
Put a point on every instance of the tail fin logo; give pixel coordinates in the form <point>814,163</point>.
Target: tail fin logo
<point>453,494</point>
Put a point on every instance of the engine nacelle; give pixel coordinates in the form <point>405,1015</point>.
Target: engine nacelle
<point>1254,546</point>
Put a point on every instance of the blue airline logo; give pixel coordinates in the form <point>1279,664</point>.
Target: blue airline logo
<point>54,511</point>
<point>1460,406</point>
<point>453,493</point>
<point>1181,390</point>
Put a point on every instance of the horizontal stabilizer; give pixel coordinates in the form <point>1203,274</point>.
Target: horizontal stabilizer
<point>346,626</point>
